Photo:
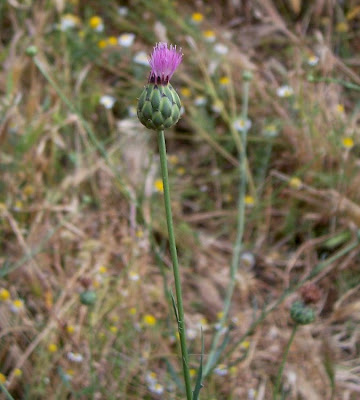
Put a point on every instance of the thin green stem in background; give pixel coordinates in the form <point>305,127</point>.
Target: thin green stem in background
<point>282,365</point>
<point>213,354</point>
<point>7,394</point>
<point>172,244</point>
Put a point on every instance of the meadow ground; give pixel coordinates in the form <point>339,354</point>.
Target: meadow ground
<point>85,271</point>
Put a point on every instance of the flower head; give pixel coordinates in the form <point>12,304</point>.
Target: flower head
<point>163,62</point>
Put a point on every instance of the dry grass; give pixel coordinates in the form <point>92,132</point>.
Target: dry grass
<point>74,219</point>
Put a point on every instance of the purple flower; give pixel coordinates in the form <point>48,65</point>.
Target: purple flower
<point>163,62</point>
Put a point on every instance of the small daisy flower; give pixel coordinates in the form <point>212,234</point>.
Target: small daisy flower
<point>221,49</point>
<point>224,81</point>
<point>249,200</point>
<point>270,131</point>
<point>247,259</point>
<point>285,91</point>
<point>159,186</point>
<point>69,373</point>
<point>126,39</point>
<point>107,101</point>
<point>151,378</point>
<point>348,142</point>
<point>191,333</point>
<point>209,36</point>
<point>141,58</point>
<point>123,11</point>
<point>4,295</point>
<point>149,320</point>
<point>16,306</point>
<point>240,124</point>
<point>75,357</point>
<point>69,21</point>
<point>134,276</point>
<point>313,60</point>
<point>96,23</point>
<point>52,348</point>
<point>197,18</point>
<point>295,183</point>
<point>200,101</point>
<point>221,370</point>
<point>217,107</point>
<point>156,388</point>
<point>340,108</point>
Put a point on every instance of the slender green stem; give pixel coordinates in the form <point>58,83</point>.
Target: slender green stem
<point>282,365</point>
<point>239,235</point>
<point>172,244</point>
<point>7,394</point>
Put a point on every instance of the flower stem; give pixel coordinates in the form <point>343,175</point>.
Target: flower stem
<point>282,365</point>
<point>213,355</point>
<point>173,252</point>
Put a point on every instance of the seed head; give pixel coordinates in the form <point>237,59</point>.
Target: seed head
<point>163,62</point>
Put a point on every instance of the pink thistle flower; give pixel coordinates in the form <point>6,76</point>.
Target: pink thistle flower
<point>163,62</point>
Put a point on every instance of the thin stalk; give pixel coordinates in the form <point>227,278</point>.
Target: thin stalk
<point>7,394</point>
<point>282,365</point>
<point>239,235</point>
<point>173,252</point>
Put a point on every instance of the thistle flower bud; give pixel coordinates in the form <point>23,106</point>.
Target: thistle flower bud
<point>159,104</point>
<point>301,314</point>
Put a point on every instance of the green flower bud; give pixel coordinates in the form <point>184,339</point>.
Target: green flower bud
<point>159,106</point>
<point>301,314</point>
<point>31,51</point>
<point>88,297</point>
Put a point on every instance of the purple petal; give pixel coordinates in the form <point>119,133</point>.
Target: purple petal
<point>163,62</point>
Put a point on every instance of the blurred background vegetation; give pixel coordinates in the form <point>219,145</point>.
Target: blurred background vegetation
<point>84,267</point>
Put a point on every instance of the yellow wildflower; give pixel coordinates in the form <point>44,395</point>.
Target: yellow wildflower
<point>96,23</point>
<point>342,27</point>
<point>52,348</point>
<point>340,108</point>
<point>149,320</point>
<point>112,41</point>
<point>4,295</point>
<point>245,344</point>
<point>113,329</point>
<point>249,200</point>
<point>348,142</point>
<point>185,91</point>
<point>139,233</point>
<point>16,306</point>
<point>224,80</point>
<point>181,171</point>
<point>159,186</point>
<point>70,329</point>
<point>197,17</point>
<point>17,372</point>
<point>132,311</point>
<point>295,183</point>
<point>192,372</point>
<point>102,269</point>
<point>102,44</point>
<point>28,190</point>
<point>220,314</point>
<point>173,159</point>
<point>2,378</point>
